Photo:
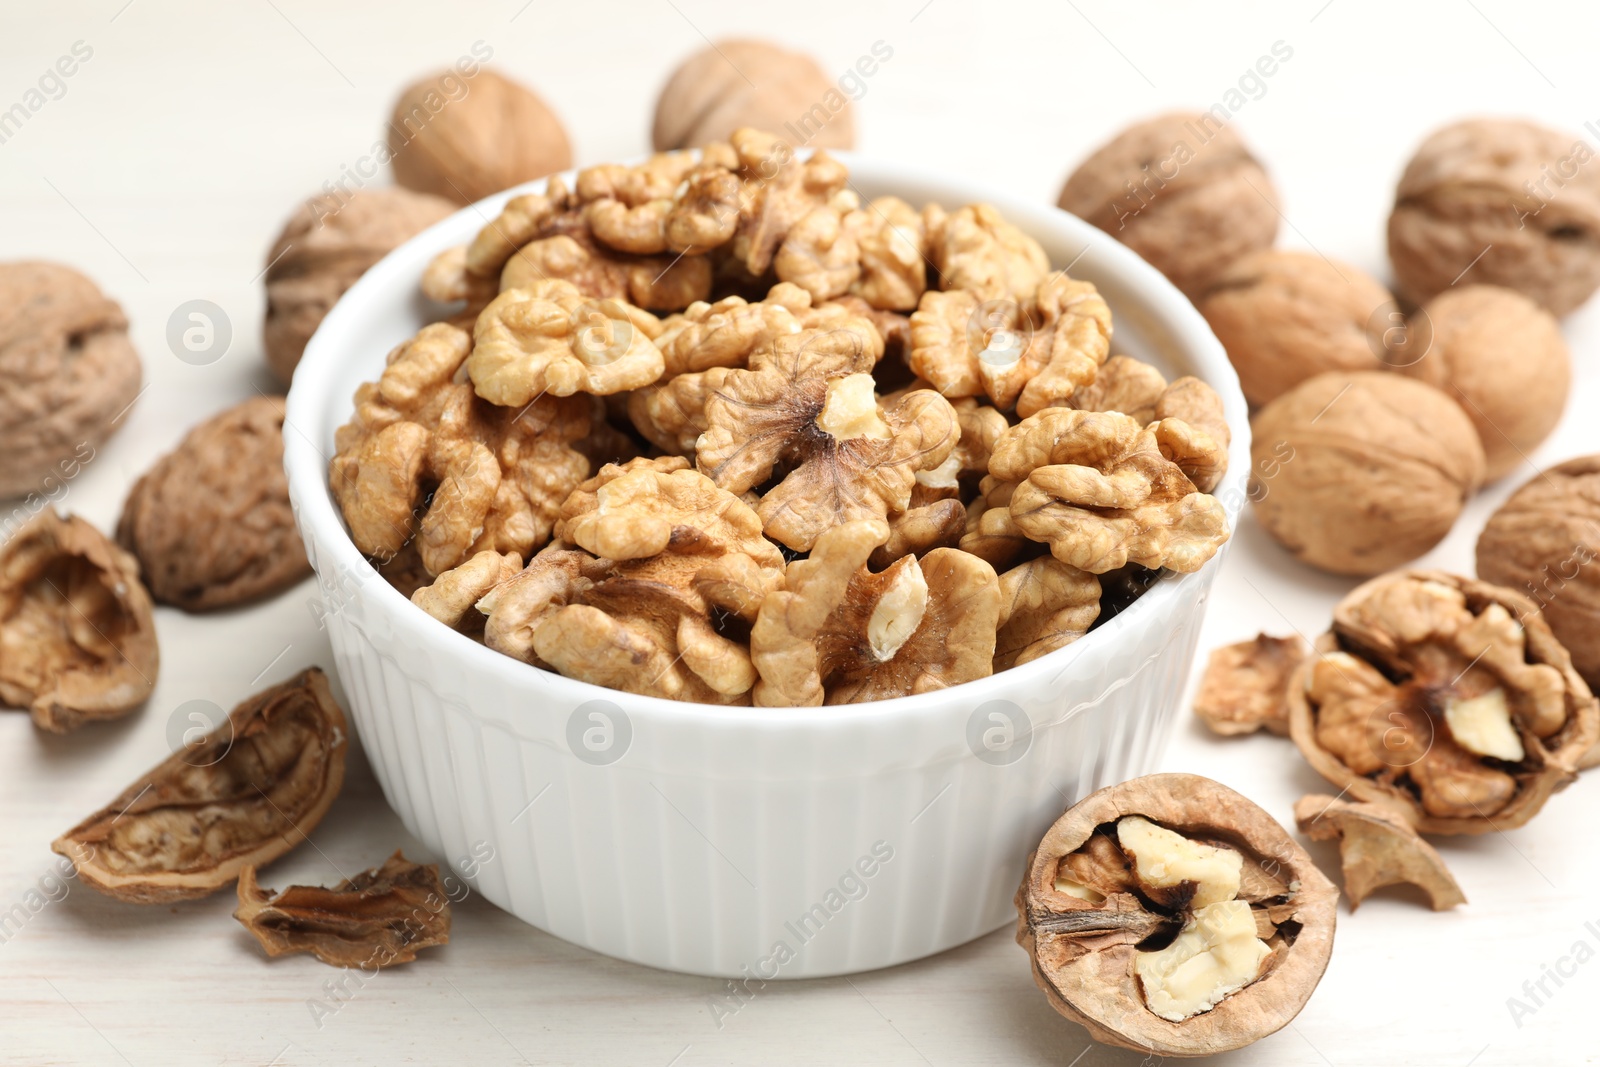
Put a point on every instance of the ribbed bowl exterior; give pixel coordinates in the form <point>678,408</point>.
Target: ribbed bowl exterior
<point>747,843</point>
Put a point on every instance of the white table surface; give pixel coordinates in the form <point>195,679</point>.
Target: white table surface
<point>165,170</point>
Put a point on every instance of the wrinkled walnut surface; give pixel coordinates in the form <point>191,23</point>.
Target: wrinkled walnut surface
<point>253,789</point>
<point>1203,202</point>
<point>1499,202</point>
<point>380,917</point>
<point>68,374</point>
<point>1246,685</point>
<point>465,147</point>
<point>328,243</point>
<point>1373,713</point>
<point>77,639</point>
<point>1503,359</point>
<point>1360,473</point>
<point>736,83</point>
<point>1083,950</point>
<point>210,523</point>
<point>1377,847</point>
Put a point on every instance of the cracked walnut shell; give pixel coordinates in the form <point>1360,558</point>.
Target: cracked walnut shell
<point>1172,916</point>
<point>68,374</point>
<point>464,138</point>
<point>708,97</point>
<point>380,917</point>
<point>1377,847</point>
<point>253,789</point>
<point>1188,198</point>
<point>210,523</point>
<point>1499,202</point>
<point>77,639</point>
<point>1361,473</point>
<point>1445,699</point>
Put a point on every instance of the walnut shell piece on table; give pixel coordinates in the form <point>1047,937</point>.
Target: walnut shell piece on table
<point>466,138</point>
<point>1543,542</point>
<point>1503,359</point>
<point>1446,699</point>
<point>1182,191</point>
<point>737,83</point>
<point>1493,201</point>
<point>1377,847</point>
<point>1246,685</point>
<point>1361,473</point>
<point>77,638</point>
<point>68,374</point>
<point>251,790</point>
<point>210,523</point>
<point>1284,316</point>
<point>380,917</point>
<point>326,246</point>
<point>1084,907</point>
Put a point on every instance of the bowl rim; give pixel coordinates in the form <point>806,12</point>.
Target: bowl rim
<point>308,414</point>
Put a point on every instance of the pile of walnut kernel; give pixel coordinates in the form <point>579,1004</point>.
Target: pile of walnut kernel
<point>711,428</point>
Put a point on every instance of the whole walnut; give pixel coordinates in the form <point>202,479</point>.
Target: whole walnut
<point>738,83</point>
<point>1287,316</point>
<point>68,373</point>
<point>1359,473</point>
<point>1544,542</point>
<point>1180,190</point>
<point>465,138</point>
<point>1502,357</point>
<point>1499,202</point>
<point>328,243</point>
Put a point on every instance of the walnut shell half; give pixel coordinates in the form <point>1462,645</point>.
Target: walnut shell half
<point>252,790</point>
<point>211,523</point>
<point>1086,914</point>
<point>1446,699</point>
<point>77,640</point>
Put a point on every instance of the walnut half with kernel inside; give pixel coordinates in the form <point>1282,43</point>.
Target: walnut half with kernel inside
<point>1446,699</point>
<point>1170,915</point>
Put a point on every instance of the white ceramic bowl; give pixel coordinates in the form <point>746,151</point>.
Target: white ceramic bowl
<point>747,843</point>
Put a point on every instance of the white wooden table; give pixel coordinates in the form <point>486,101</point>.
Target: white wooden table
<point>164,170</point>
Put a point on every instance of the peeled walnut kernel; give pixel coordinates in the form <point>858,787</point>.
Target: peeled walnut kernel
<point>380,917</point>
<point>464,138</point>
<point>1367,471</point>
<point>1445,699</point>
<point>976,249</point>
<point>1246,685</point>
<point>1377,847</point>
<point>1499,202</point>
<point>737,83</point>
<point>1171,916</point>
<point>253,789</point>
<point>1287,316</point>
<point>1183,191</point>
<point>77,640</point>
<point>1502,358</point>
<point>1544,542</point>
<point>1044,605</point>
<point>326,246</point>
<point>68,374</point>
<point>210,523</point>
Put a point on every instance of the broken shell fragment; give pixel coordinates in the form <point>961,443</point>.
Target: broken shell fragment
<point>1377,847</point>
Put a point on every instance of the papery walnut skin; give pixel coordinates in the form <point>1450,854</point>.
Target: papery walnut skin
<point>326,245</point>
<point>1360,473</point>
<point>1544,542</point>
<point>1246,685</point>
<point>1503,359</point>
<point>1499,202</point>
<point>252,790</point>
<point>211,523</point>
<point>1388,743</point>
<point>380,917</point>
<point>464,147</point>
<point>1377,847</point>
<point>707,98</point>
<point>1082,952</point>
<point>68,374</point>
<point>1182,191</point>
<point>1285,316</point>
<point>77,639</point>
